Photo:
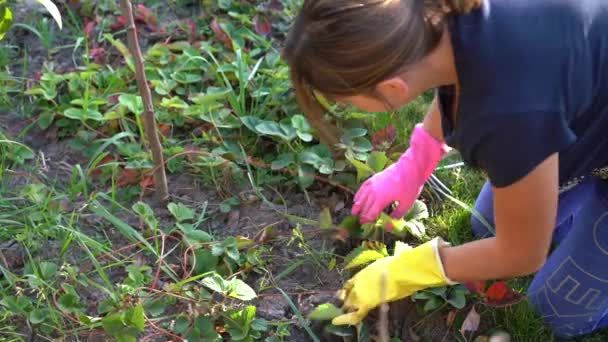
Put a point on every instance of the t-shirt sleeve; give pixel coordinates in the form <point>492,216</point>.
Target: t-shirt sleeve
<point>511,146</point>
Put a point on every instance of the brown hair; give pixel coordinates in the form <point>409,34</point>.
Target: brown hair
<point>346,47</point>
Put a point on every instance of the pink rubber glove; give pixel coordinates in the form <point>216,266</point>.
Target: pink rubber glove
<point>402,181</point>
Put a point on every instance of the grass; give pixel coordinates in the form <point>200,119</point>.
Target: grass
<point>87,251</point>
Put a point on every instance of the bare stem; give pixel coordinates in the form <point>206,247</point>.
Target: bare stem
<point>148,118</point>
<point>384,307</point>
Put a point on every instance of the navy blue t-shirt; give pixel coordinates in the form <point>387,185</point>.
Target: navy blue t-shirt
<point>533,80</point>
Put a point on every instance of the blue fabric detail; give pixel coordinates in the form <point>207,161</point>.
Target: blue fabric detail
<point>570,292</point>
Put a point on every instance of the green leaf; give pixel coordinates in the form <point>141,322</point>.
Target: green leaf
<point>181,324</point>
<point>133,102</point>
<point>457,299</point>
<point>45,119</point>
<point>363,170</point>
<point>274,129</point>
<point>342,330</point>
<point>416,228</point>
<point>210,100</point>
<point>174,102</point>
<point>259,324</point>
<point>325,221</point>
<point>144,211</point>
<point>205,327</point>
<point>48,270</point>
<point>69,302</point>
<point>240,322</point>
<point>441,291</point>
<point>106,306</point>
<point>180,211</point>
<point>195,236</point>
<point>6,18</point>
<point>224,4</point>
<point>113,323</point>
<point>38,316</point>
<point>83,114</point>
<point>302,127</point>
<point>283,161</point>
<point>53,11</point>
<point>235,288</point>
<point>227,204</point>
<point>240,290</point>
<point>377,161</point>
<point>186,77</point>
<point>361,144</point>
<point>17,305</point>
<point>323,164</point>
<point>134,317</point>
<point>418,211</point>
<point>155,307</point>
<point>306,175</point>
<point>251,122</point>
<point>432,304</point>
<point>362,256</point>
<point>422,295</point>
<point>352,133</point>
<point>325,312</point>
<point>205,261</point>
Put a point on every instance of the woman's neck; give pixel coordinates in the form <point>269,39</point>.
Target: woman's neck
<point>438,68</point>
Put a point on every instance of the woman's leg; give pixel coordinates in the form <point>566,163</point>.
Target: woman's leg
<point>570,292</point>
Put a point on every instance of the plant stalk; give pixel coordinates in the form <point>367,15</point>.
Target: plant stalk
<point>148,117</point>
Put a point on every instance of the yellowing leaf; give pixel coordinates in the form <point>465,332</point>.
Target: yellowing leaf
<point>325,312</point>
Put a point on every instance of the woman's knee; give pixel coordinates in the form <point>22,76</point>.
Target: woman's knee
<point>482,220</point>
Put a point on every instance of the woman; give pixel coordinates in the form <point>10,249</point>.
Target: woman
<point>522,93</point>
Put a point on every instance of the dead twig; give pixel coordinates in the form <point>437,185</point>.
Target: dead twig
<point>149,121</point>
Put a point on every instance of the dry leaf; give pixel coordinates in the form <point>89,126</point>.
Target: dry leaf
<point>471,322</point>
<point>449,320</point>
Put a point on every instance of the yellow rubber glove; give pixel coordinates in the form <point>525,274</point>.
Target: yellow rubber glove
<point>406,272</point>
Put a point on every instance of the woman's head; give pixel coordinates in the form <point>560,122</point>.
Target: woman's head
<point>346,48</point>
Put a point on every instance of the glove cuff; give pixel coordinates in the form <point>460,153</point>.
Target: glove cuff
<point>436,243</point>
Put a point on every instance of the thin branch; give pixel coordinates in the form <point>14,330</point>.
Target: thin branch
<point>148,118</point>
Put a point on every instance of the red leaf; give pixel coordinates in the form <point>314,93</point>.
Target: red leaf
<point>89,26</point>
<point>497,291</point>
<point>164,129</point>
<point>144,15</point>
<point>97,55</point>
<point>383,138</point>
<point>499,295</point>
<point>341,234</point>
<point>97,170</point>
<point>119,24</point>
<point>262,25</point>
<point>220,34</point>
<point>192,29</point>
<point>127,177</point>
<point>146,182</point>
<point>477,287</point>
<point>274,5</point>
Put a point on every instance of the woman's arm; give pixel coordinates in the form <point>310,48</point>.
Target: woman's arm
<point>525,215</point>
